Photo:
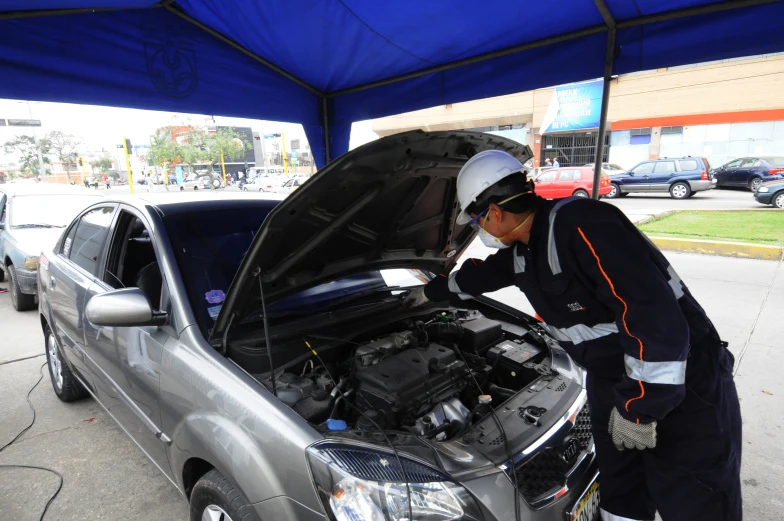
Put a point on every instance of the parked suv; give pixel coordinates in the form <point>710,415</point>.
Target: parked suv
<point>681,177</point>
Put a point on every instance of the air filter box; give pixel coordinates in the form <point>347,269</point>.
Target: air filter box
<point>479,334</point>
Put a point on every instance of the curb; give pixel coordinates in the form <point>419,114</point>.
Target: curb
<point>727,249</point>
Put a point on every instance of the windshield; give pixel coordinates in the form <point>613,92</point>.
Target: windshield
<point>48,210</point>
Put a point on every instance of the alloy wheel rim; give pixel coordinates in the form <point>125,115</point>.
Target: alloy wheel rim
<point>54,362</point>
<point>779,201</point>
<point>214,513</point>
<point>679,191</point>
<point>581,194</point>
<point>613,190</point>
<point>755,184</point>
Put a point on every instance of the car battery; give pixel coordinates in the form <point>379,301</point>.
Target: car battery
<point>509,359</point>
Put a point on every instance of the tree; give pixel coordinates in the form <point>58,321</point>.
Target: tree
<point>65,147</point>
<point>102,164</point>
<point>225,141</point>
<point>27,150</point>
<point>163,148</point>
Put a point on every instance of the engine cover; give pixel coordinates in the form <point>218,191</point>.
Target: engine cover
<point>405,385</point>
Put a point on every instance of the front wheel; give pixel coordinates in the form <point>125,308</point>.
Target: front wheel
<point>580,193</point>
<point>182,188</point>
<point>615,191</point>
<point>66,386</point>
<point>680,191</point>
<point>20,301</point>
<point>754,184</point>
<point>778,201</point>
<point>214,498</point>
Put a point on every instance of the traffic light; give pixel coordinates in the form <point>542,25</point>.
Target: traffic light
<point>128,147</point>
<point>81,163</point>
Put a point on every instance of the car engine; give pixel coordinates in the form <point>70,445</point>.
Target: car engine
<point>422,378</point>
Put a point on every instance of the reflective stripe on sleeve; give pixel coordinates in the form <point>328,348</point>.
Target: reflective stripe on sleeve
<point>519,262</point>
<point>581,332</point>
<point>552,250</point>
<point>675,283</point>
<point>454,288</point>
<point>671,373</point>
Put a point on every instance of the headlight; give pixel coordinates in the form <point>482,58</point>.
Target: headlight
<point>31,263</point>
<point>360,483</point>
<point>763,189</point>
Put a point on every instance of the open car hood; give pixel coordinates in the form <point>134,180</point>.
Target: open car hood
<point>391,203</point>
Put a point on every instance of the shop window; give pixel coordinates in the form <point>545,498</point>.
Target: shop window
<point>672,130</point>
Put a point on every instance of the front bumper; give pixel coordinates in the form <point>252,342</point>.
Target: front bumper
<point>699,186</point>
<point>764,198</point>
<point>27,280</point>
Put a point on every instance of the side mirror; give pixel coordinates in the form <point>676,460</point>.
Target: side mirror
<point>126,307</point>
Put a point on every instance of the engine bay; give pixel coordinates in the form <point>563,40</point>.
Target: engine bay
<point>421,376</point>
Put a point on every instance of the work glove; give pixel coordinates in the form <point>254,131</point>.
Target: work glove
<point>630,435</point>
<point>415,297</point>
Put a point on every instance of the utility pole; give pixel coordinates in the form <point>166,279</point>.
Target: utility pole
<point>84,170</point>
<point>41,165</point>
<point>126,147</point>
<point>285,158</point>
<point>264,148</point>
<point>223,169</point>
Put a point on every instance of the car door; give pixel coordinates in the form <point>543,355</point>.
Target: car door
<point>70,278</point>
<point>127,360</point>
<point>545,184</point>
<point>746,171</point>
<point>638,178</point>
<point>723,174</point>
<point>659,179</point>
<point>566,183</point>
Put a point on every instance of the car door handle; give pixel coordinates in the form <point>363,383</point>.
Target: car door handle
<point>52,283</point>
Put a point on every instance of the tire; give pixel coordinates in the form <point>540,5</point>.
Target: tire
<point>580,193</point>
<point>680,190</point>
<point>615,191</point>
<point>182,188</point>
<point>64,383</point>
<point>214,498</point>
<point>2,275</point>
<point>20,301</point>
<point>778,200</point>
<point>754,184</point>
<point>195,187</point>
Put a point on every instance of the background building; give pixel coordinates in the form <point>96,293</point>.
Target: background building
<point>720,110</point>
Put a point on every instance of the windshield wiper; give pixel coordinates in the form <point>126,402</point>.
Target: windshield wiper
<point>37,225</point>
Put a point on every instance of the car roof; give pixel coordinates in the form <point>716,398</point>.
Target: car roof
<point>172,203</point>
<point>15,189</point>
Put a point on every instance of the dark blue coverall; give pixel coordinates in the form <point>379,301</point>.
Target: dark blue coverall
<point>615,304</point>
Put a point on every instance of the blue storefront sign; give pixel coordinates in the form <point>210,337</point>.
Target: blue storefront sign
<point>575,106</point>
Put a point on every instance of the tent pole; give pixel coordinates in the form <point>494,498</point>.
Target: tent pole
<point>609,59</point>
<point>325,124</point>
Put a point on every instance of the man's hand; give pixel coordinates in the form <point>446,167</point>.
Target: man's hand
<point>415,297</point>
<point>629,435</point>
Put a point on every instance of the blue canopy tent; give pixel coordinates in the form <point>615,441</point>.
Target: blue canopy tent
<point>328,63</point>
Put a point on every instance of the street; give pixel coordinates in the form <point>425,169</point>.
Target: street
<point>107,477</point>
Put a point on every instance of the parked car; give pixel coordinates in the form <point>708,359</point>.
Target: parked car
<point>289,186</point>
<point>264,183</point>
<point>202,181</point>
<point>771,193</point>
<point>610,168</point>
<point>682,177</point>
<point>749,172</point>
<point>563,182</point>
<point>32,217</point>
<point>254,349</point>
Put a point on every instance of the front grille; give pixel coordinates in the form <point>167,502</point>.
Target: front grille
<point>547,470</point>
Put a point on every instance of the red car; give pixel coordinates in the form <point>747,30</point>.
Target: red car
<point>568,181</point>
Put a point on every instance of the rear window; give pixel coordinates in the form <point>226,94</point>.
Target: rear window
<point>688,164</point>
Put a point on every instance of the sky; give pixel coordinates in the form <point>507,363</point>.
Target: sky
<point>105,127</point>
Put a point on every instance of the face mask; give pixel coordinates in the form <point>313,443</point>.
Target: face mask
<point>490,241</point>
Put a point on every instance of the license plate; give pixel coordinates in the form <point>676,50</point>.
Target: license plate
<point>587,507</point>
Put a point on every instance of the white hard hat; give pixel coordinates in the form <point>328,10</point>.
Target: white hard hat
<point>481,172</point>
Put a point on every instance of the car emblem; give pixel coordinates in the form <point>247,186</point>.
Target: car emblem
<point>570,449</point>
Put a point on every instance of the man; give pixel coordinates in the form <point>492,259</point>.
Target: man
<point>548,163</point>
<point>556,164</point>
<point>664,410</point>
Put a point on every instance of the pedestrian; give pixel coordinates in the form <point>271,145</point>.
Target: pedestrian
<point>86,183</point>
<point>106,181</point>
<point>664,410</point>
<point>556,164</point>
<point>548,163</point>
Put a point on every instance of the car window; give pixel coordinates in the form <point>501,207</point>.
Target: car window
<point>568,175</point>
<point>89,238</point>
<point>65,247</point>
<point>750,163</point>
<point>548,176</point>
<point>643,168</point>
<point>688,164</point>
<point>664,167</point>
<point>2,208</point>
<point>775,161</point>
<point>733,164</point>
<point>296,183</point>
